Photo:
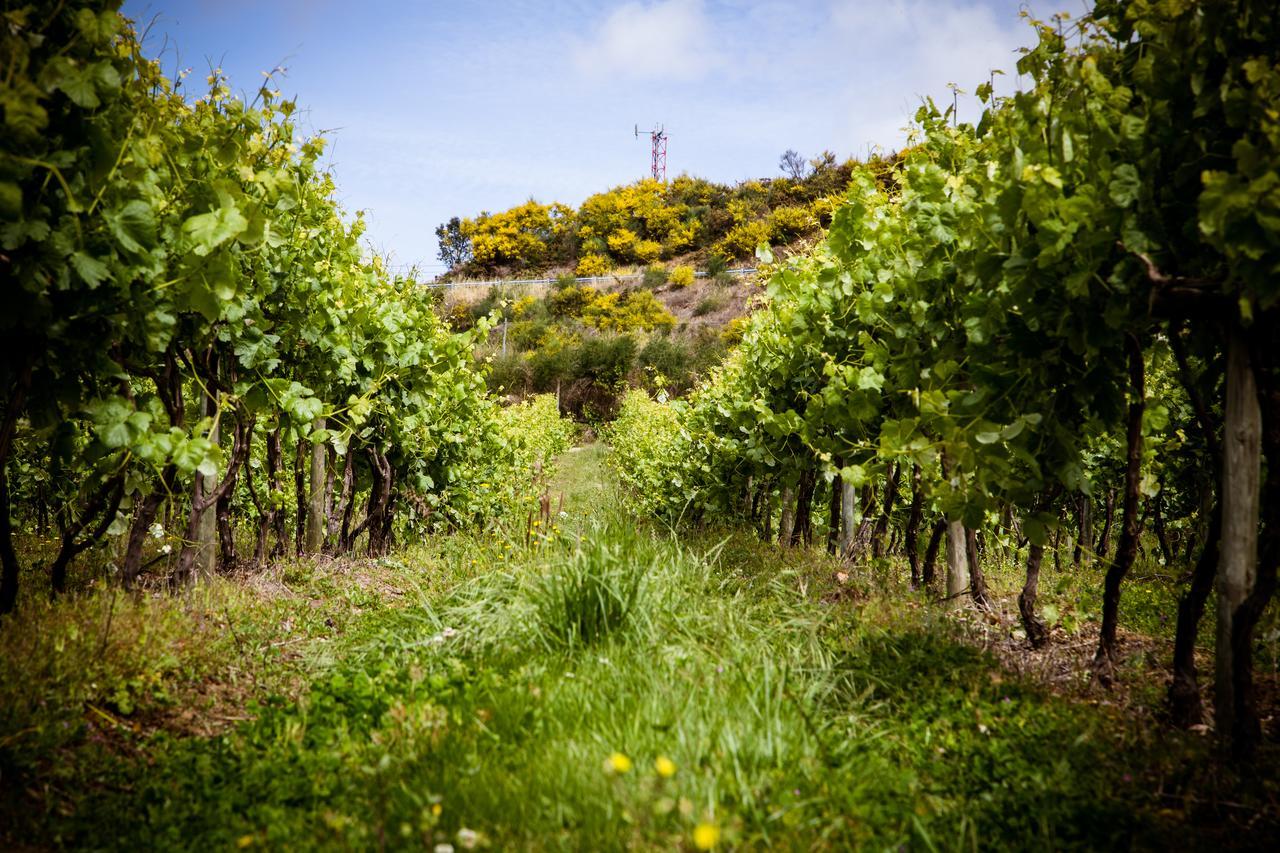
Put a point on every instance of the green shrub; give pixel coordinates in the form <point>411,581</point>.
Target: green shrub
<point>459,317</point>
<point>654,277</point>
<point>537,432</point>
<point>712,303</point>
<point>549,366</point>
<point>671,359</point>
<point>527,334</point>
<point>716,264</point>
<point>605,360</point>
<point>508,374</point>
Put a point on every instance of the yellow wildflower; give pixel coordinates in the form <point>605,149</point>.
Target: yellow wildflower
<point>617,763</point>
<point>706,836</point>
<point>665,766</point>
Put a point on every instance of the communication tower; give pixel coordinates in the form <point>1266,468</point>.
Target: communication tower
<point>658,139</point>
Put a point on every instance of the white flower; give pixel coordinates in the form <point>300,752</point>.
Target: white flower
<point>468,838</point>
<point>168,549</point>
<point>444,848</point>
<point>447,633</point>
<point>157,530</point>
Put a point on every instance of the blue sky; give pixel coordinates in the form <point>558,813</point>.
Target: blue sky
<point>436,109</point>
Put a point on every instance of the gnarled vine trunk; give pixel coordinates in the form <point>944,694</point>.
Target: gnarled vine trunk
<point>1127,550</point>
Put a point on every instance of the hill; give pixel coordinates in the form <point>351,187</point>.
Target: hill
<point>685,221</point>
<point>662,306</point>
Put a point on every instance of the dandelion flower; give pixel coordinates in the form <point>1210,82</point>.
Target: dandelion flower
<point>617,763</point>
<point>665,766</point>
<point>706,836</point>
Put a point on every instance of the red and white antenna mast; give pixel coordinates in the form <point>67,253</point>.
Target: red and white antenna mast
<point>658,138</point>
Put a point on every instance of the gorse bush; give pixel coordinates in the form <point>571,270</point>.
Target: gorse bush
<point>592,265</point>
<point>621,312</point>
<point>682,276</point>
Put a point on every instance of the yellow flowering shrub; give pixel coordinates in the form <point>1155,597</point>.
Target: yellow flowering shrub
<point>570,301</point>
<point>592,264</point>
<point>788,222</point>
<point>522,306</point>
<point>681,276</point>
<point>741,241</point>
<point>647,250</point>
<point>521,236</point>
<point>621,312</point>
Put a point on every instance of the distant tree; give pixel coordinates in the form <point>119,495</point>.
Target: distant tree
<point>793,165</point>
<point>824,161</point>
<point>455,246</point>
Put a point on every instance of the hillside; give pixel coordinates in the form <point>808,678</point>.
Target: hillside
<point>662,306</point>
<point>685,221</point>
<point>588,342</point>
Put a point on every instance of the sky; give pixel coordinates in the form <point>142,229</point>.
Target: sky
<point>440,109</point>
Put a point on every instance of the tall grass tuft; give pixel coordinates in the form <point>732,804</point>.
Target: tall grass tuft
<point>594,591</point>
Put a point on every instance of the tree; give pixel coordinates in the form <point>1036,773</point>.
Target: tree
<point>455,247</point>
<point>793,165</point>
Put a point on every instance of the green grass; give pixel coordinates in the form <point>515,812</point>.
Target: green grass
<point>474,690</point>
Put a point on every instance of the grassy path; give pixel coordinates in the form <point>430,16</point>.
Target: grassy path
<point>607,687</point>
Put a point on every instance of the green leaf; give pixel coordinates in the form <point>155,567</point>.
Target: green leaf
<point>854,475</point>
<point>1125,185</point>
<point>870,378</point>
<point>78,86</point>
<point>987,437</point>
<point>210,230</point>
<point>133,226</point>
<point>93,271</point>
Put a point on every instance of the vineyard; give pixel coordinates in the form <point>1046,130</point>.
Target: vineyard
<point>966,535</point>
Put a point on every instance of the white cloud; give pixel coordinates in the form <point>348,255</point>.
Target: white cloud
<point>667,40</point>
<point>912,49</point>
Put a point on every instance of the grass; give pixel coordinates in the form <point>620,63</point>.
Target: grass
<point>604,686</point>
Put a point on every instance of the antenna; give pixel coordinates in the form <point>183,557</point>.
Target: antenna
<point>658,140</point>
